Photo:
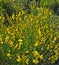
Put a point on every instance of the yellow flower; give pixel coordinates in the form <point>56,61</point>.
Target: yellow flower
<point>20,43</point>
<point>7,29</point>
<point>27,61</point>
<point>39,32</point>
<point>25,17</point>
<point>41,57</point>
<point>23,12</point>
<point>18,59</point>
<point>35,61</point>
<point>1,40</point>
<point>27,51</point>
<point>36,44</point>
<point>16,46</point>
<point>56,57</point>
<point>56,52</point>
<point>11,43</point>
<point>7,39</point>
<point>0,17</point>
<point>49,58</point>
<point>54,38</point>
<point>9,55</point>
<point>24,57</point>
<point>36,54</point>
<point>13,16</point>
<point>20,40</point>
<point>19,47</point>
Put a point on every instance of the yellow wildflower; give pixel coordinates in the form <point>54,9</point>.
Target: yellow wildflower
<point>23,12</point>
<point>24,57</point>
<point>25,17</point>
<point>18,59</point>
<point>36,44</point>
<point>15,46</point>
<point>54,38</point>
<point>20,43</point>
<point>19,47</point>
<point>41,57</point>
<point>7,39</point>
<point>36,54</point>
<point>56,52</point>
<point>1,40</point>
<point>12,33</point>
<point>13,16</point>
<point>39,32</point>
<point>9,55</point>
<point>27,51</point>
<point>20,40</point>
<point>27,61</point>
<point>35,61</point>
<point>42,48</point>
<point>0,17</point>
<point>56,57</point>
<point>11,43</point>
<point>49,58</point>
<point>8,30</point>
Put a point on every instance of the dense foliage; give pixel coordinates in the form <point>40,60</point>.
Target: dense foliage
<point>29,32</point>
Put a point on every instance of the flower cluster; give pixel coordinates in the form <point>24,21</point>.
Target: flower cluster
<point>29,39</point>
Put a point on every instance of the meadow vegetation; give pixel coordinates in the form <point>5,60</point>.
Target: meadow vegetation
<point>29,32</point>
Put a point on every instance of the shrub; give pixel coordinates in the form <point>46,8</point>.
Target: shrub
<point>30,39</point>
